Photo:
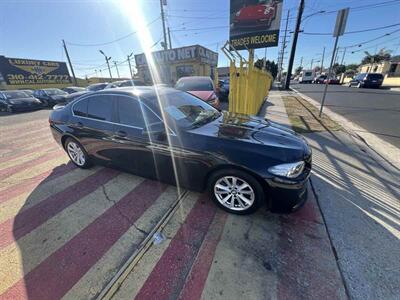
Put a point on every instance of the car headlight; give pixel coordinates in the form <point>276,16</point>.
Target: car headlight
<point>37,101</point>
<point>291,170</point>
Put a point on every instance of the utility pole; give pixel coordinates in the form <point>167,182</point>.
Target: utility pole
<point>301,61</point>
<point>107,61</point>
<point>169,38</point>
<point>116,66</point>
<point>322,60</point>
<point>312,61</point>
<point>129,62</point>
<point>69,62</point>
<point>344,53</point>
<point>294,44</point>
<point>283,46</point>
<point>163,25</point>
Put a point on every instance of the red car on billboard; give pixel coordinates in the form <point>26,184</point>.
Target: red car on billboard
<point>255,15</point>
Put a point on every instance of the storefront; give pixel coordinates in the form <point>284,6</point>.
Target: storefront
<point>175,63</point>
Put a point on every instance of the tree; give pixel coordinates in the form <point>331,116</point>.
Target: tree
<point>271,66</point>
<point>382,55</point>
<point>298,70</point>
<point>352,67</point>
<point>338,69</point>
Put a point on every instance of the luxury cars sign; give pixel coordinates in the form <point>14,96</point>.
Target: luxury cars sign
<point>20,71</point>
<point>255,23</point>
<point>195,52</point>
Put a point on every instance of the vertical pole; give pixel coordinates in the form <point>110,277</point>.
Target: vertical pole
<point>329,73</point>
<point>108,65</point>
<point>169,39</point>
<point>312,61</point>
<point>130,67</point>
<point>116,66</point>
<point>163,25</point>
<point>69,62</point>
<point>301,61</point>
<point>344,53</point>
<point>294,44</point>
<point>283,46</point>
<point>322,60</point>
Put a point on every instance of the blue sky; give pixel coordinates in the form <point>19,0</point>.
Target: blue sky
<point>34,29</point>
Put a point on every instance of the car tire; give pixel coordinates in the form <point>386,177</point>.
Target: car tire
<point>235,191</point>
<point>76,153</point>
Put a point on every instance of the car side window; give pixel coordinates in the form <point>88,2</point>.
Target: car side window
<point>132,113</point>
<point>100,108</point>
<point>80,108</point>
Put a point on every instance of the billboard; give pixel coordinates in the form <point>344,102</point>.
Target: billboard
<point>22,72</point>
<point>255,23</point>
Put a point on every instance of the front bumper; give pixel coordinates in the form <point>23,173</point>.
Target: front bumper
<point>25,107</point>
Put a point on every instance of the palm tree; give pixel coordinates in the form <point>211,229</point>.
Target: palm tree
<point>382,55</point>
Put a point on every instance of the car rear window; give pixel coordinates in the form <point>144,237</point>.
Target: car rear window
<point>307,73</point>
<point>15,95</point>
<point>375,76</point>
<point>194,85</point>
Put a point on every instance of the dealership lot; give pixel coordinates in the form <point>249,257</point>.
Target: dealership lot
<point>66,232</point>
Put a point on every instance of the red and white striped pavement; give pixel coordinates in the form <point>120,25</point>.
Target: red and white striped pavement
<point>65,233</point>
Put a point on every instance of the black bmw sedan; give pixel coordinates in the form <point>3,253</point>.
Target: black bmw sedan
<point>14,101</point>
<point>50,97</point>
<point>174,137</point>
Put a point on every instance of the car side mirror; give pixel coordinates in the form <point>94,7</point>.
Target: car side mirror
<point>155,131</point>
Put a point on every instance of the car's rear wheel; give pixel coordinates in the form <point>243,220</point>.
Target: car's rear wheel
<point>77,153</point>
<point>236,191</point>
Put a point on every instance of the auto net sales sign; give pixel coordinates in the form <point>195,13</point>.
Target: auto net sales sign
<point>20,71</point>
<point>255,23</point>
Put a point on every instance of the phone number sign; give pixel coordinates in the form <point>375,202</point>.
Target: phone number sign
<point>19,71</point>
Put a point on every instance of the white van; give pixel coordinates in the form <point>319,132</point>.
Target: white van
<point>306,76</point>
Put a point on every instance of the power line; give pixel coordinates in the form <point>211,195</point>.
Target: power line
<point>113,41</point>
<point>351,32</point>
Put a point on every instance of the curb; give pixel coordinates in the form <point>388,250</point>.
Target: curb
<point>389,164</point>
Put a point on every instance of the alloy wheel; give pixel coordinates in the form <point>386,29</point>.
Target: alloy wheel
<point>76,154</point>
<point>234,193</point>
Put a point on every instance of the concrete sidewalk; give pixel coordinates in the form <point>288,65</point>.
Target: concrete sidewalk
<point>359,200</point>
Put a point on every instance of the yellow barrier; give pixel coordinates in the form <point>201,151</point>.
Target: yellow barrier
<point>248,85</point>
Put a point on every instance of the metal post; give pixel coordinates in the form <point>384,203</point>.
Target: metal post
<point>312,61</point>
<point>130,67</point>
<point>283,46</point>
<point>301,61</point>
<point>169,39</point>
<point>116,66</point>
<point>69,62</point>
<point>329,73</point>
<point>163,25</point>
<point>322,60</point>
<point>294,44</point>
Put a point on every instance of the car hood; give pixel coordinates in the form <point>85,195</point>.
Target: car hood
<point>203,95</point>
<point>24,100</point>
<point>267,138</point>
<point>59,97</point>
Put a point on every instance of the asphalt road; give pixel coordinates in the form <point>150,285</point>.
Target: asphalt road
<point>375,110</point>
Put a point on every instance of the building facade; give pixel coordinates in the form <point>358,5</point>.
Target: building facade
<point>172,64</point>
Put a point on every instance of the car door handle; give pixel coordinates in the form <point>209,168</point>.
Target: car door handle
<point>78,124</point>
<point>121,134</point>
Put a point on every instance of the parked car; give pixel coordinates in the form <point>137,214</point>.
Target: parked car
<point>255,15</point>
<point>13,101</point>
<point>332,80</point>
<point>306,76</point>
<point>70,98</point>
<point>240,159</point>
<point>320,79</point>
<point>125,83</point>
<point>373,80</point>
<point>96,86</point>
<point>28,92</point>
<point>200,86</point>
<point>223,89</point>
<point>50,97</point>
<point>73,89</point>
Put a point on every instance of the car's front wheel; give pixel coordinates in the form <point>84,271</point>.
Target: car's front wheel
<point>236,191</point>
<point>77,153</point>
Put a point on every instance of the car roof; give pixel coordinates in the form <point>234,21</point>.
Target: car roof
<point>139,91</point>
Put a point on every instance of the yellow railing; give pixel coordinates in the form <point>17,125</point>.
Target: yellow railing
<point>248,85</point>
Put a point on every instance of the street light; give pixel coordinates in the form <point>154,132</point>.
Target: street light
<point>129,62</point>
<point>107,59</point>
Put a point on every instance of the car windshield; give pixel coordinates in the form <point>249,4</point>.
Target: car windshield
<point>96,87</point>
<point>54,92</point>
<point>194,85</point>
<point>15,94</point>
<point>186,110</point>
<point>307,74</point>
